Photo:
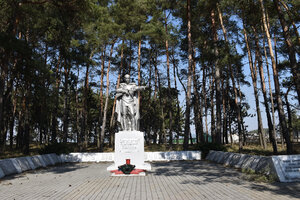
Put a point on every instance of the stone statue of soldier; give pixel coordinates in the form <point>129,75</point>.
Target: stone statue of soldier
<point>127,106</point>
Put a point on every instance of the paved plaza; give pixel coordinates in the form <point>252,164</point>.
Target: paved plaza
<point>168,180</point>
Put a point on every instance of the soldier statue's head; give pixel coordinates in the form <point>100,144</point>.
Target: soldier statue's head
<point>127,78</point>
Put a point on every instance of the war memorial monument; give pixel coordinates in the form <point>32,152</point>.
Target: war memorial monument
<point>129,141</point>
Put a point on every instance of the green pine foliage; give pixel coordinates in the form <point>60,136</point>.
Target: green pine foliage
<point>54,53</point>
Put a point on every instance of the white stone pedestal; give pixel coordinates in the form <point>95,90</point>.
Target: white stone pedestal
<point>129,145</point>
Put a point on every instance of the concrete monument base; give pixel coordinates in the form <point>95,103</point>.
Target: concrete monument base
<point>129,145</point>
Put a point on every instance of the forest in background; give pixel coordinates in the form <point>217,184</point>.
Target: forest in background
<point>61,61</point>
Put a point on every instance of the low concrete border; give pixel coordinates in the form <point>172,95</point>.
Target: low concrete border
<point>172,155</point>
<point>18,165</point>
<point>23,163</point>
<point>1,173</point>
<point>38,161</point>
<point>149,156</point>
<point>259,164</point>
<point>13,166</point>
<point>8,167</point>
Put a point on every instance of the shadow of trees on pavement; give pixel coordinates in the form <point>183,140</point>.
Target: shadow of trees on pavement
<point>204,172</point>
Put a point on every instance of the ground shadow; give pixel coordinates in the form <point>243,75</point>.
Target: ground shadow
<point>211,172</point>
<point>56,169</point>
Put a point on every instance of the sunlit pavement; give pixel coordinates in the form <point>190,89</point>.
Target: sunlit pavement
<point>167,180</point>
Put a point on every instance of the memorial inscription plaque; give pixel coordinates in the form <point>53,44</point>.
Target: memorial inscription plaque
<point>129,145</point>
<point>287,167</point>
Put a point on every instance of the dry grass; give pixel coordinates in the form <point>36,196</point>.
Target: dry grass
<point>256,149</point>
<point>252,149</point>
<point>14,153</point>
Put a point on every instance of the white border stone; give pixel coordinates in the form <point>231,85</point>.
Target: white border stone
<point>172,155</point>
<point>149,156</point>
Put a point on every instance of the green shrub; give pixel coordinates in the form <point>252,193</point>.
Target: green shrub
<point>58,148</point>
<point>204,148</point>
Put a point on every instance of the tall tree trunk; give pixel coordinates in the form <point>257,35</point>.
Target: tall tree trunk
<point>290,47</point>
<point>130,58</point>
<point>217,78</point>
<point>155,77</point>
<point>212,107</point>
<point>188,95</point>
<point>276,62</point>
<point>139,69</point>
<point>100,120</point>
<point>3,77</point>
<point>102,134</point>
<point>291,19</point>
<point>236,103</point>
<point>281,114</point>
<point>12,122</point>
<point>224,100</point>
<point>56,97</point>
<point>263,86</point>
<point>26,136</point>
<point>205,99</point>
<point>271,96</point>
<point>66,103</point>
<point>177,99</point>
<point>85,110</point>
<point>254,82</point>
<point>78,131</point>
<point>101,82</point>
<point>169,87</point>
<point>112,118</point>
<point>162,135</point>
<point>242,119</point>
<point>197,105</point>
<point>288,108</point>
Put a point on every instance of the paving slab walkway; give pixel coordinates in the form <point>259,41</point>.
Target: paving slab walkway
<point>168,180</point>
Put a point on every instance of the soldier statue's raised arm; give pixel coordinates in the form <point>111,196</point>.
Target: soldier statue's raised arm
<point>127,106</point>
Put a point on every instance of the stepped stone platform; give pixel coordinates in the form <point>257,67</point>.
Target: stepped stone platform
<point>168,180</point>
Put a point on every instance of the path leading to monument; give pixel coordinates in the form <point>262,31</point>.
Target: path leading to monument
<point>168,180</point>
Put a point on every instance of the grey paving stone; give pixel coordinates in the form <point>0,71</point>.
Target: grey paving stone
<point>242,159</point>
<point>221,157</point>
<point>255,162</point>
<point>53,156</point>
<point>1,173</point>
<point>217,156</point>
<point>38,161</point>
<point>47,160</point>
<point>266,166</point>
<point>248,163</point>
<point>192,180</point>
<point>8,166</point>
<point>228,159</point>
<point>235,159</point>
<point>24,164</point>
<point>29,160</point>
<point>210,155</point>
<point>16,165</point>
<point>59,159</point>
